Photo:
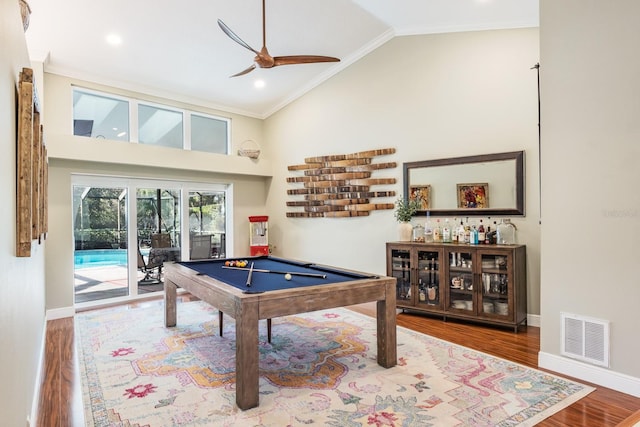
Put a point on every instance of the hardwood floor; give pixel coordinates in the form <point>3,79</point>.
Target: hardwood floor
<point>60,403</point>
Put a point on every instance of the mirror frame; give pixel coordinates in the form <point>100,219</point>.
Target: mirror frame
<point>518,156</point>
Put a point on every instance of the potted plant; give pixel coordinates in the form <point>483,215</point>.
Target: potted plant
<point>405,209</point>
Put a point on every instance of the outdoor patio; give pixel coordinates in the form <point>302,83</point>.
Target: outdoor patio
<point>96,283</point>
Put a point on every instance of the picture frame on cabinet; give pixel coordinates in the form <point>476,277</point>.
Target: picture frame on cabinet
<point>473,196</point>
<point>422,194</point>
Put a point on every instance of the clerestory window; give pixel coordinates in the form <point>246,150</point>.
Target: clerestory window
<point>105,116</point>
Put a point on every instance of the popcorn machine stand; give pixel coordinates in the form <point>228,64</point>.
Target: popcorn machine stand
<point>258,235</point>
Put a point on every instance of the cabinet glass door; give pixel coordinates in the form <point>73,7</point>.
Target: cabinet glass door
<point>429,278</point>
<point>401,270</point>
<point>495,285</point>
<point>460,281</point>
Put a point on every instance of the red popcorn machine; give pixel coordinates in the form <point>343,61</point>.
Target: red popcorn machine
<point>258,235</point>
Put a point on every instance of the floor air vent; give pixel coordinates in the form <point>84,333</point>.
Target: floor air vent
<point>585,339</point>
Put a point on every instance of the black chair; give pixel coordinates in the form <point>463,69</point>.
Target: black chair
<point>151,271</point>
<point>201,246</point>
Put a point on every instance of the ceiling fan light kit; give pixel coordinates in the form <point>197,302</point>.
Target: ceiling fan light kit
<point>263,59</point>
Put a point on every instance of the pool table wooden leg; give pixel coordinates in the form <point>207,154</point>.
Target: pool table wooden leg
<point>169,303</point>
<point>221,315</point>
<point>247,369</point>
<point>386,328</point>
<point>269,331</point>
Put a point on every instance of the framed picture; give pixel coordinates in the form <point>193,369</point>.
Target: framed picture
<point>423,195</point>
<point>473,196</point>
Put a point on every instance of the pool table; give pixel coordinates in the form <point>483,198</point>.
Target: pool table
<point>269,294</point>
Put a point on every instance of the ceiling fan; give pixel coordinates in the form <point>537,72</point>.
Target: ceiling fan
<point>263,59</point>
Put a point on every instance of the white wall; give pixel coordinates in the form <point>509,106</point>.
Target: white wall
<point>77,155</point>
<point>248,195</point>
<point>430,97</point>
<point>21,279</point>
<point>590,73</point>
<point>62,144</point>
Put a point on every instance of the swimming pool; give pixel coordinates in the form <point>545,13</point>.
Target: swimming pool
<point>99,258</point>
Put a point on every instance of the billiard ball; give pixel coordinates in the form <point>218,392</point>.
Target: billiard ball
<point>287,276</point>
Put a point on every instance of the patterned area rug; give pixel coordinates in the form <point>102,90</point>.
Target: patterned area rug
<point>320,369</point>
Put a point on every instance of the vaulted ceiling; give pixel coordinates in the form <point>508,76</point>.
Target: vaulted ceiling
<point>177,50</point>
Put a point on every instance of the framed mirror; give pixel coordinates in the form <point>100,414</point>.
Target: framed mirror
<point>482,185</point>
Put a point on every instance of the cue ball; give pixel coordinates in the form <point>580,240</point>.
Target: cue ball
<point>287,276</point>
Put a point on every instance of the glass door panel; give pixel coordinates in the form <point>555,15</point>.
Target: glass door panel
<point>112,215</point>
<point>495,285</point>
<point>460,282</point>
<point>401,270</point>
<point>100,236</point>
<point>429,278</point>
<point>158,227</point>
<point>207,224</point>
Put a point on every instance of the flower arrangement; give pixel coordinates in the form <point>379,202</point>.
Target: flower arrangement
<point>405,209</point>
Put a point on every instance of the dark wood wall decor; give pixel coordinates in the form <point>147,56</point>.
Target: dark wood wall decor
<point>31,169</point>
<point>339,185</point>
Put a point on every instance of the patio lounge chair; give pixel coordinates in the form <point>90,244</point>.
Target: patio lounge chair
<point>151,271</point>
<point>201,246</point>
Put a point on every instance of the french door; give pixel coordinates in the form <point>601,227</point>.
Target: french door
<point>124,229</point>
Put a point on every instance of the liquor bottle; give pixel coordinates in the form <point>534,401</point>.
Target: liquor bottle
<point>446,232</point>
<point>428,230</point>
<point>487,236</point>
<point>422,291</point>
<point>461,233</point>
<point>437,232</point>
<point>473,235</point>
<point>491,234</point>
<point>454,231</point>
<point>467,232</point>
<point>481,233</point>
<point>432,272</point>
<point>432,289</point>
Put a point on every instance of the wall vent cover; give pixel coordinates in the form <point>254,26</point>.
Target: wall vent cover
<point>585,339</point>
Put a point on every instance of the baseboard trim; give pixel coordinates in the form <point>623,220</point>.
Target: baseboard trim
<point>63,312</point>
<point>533,320</point>
<point>60,313</point>
<point>35,403</point>
<point>593,374</point>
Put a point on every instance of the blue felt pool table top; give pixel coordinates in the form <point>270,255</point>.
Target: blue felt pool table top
<point>264,281</point>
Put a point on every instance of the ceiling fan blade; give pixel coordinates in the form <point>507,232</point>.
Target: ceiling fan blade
<point>233,36</point>
<point>302,59</point>
<point>243,72</point>
<point>263,59</point>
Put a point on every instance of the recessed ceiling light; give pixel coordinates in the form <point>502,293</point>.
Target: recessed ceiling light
<point>259,84</point>
<point>113,39</point>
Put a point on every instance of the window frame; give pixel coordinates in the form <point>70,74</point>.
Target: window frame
<point>102,95</point>
<point>134,104</point>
